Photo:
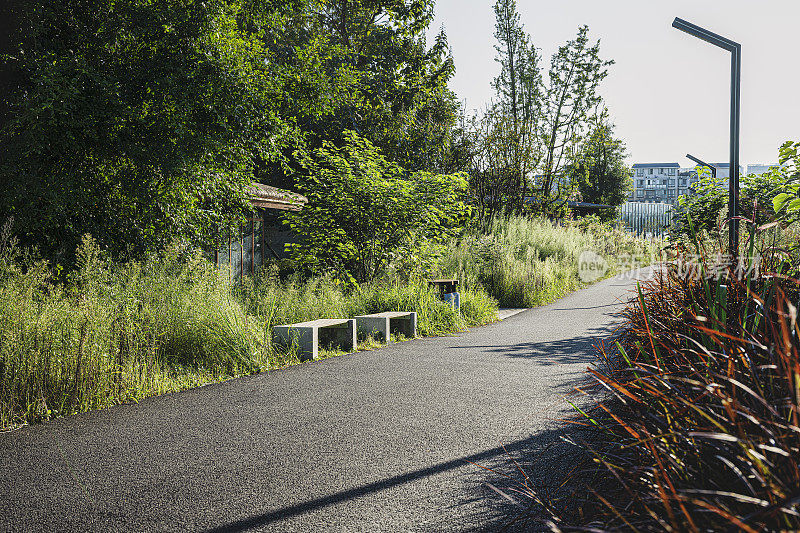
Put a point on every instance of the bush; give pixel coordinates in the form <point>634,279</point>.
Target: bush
<point>365,213</point>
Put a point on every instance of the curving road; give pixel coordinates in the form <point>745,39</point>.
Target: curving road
<point>373,441</point>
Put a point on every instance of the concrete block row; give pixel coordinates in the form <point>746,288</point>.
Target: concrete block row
<point>343,332</point>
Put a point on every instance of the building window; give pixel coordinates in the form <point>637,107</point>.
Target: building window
<point>649,171</point>
<point>671,193</point>
<point>640,193</point>
<point>672,172</point>
<point>640,172</point>
<point>683,182</point>
<point>671,183</point>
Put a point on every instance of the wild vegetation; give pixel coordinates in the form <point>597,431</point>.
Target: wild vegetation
<point>526,263</point>
<point>142,124</point>
<point>695,423</point>
<point>111,332</point>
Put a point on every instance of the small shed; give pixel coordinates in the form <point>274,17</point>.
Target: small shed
<point>261,237</point>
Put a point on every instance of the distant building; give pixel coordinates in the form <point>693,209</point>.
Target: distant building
<point>759,169</point>
<point>666,182</point>
<point>655,183</point>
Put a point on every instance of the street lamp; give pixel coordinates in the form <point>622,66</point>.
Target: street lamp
<point>712,168</point>
<point>736,73</point>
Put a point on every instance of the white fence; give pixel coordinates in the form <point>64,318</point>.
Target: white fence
<point>646,219</point>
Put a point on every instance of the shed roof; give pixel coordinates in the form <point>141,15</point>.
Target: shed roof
<point>274,198</point>
<point>588,205</point>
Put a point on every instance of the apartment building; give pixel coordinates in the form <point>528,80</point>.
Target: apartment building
<point>666,182</point>
<point>657,183</point>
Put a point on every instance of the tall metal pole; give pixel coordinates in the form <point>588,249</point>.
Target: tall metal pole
<point>733,180</point>
<point>736,67</point>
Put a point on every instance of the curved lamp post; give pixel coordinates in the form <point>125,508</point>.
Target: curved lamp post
<point>736,69</point>
<point>702,163</point>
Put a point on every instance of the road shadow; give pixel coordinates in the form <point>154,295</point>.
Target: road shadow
<point>489,456</point>
<point>536,482</point>
<point>499,493</point>
<point>580,349</point>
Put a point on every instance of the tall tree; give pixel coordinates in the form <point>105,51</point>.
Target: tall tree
<point>571,96</point>
<point>135,121</point>
<point>493,180</point>
<point>518,88</point>
<point>365,66</point>
<point>598,168</point>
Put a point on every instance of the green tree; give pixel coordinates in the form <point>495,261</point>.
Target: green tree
<point>493,179</point>
<point>135,121</point>
<point>599,168</point>
<point>528,137</point>
<point>364,65</point>
<point>366,213</point>
<point>571,98</point>
<point>787,202</point>
<point>518,89</point>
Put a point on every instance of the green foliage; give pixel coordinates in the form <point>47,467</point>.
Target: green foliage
<point>705,205</point>
<point>134,121</point>
<point>365,214</point>
<point>362,65</point>
<point>761,197</point>
<point>788,202</point>
<point>599,168</point>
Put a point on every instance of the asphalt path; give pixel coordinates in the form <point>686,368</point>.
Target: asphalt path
<point>383,440</point>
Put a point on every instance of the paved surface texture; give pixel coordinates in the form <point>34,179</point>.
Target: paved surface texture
<point>373,441</point>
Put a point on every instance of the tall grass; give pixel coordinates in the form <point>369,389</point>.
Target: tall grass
<point>118,332</point>
<point>697,427</point>
<point>526,262</point>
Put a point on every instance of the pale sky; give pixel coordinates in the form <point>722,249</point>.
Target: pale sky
<point>669,92</point>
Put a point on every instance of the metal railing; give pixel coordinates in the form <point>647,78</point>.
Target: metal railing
<point>646,219</point>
